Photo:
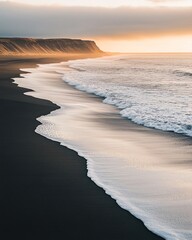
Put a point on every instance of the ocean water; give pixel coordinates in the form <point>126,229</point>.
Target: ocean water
<point>147,171</point>
<point>155,91</point>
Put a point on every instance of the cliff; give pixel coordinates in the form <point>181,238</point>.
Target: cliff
<point>30,46</point>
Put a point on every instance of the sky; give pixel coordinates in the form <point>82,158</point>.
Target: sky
<point>115,25</point>
<point>108,3</point>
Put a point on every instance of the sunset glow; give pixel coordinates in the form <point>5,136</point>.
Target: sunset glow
<point>108,3</point>
<point>139,26</point>
<point>164,44</point>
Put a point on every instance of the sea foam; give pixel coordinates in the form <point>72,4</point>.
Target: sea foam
<point>148,173</point>
<point>153,92</point>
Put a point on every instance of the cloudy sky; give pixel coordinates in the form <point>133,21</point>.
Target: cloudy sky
<point>108,3</point>
<point>116,25</point>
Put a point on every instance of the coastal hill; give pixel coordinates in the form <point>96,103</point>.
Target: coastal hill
<point>33,46</point>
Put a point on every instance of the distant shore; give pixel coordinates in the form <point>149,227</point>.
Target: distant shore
<point>52,46</point>
<point>46,191</point>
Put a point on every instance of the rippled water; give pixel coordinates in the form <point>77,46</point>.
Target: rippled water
<point>152,90</point>
<point>148,172</point>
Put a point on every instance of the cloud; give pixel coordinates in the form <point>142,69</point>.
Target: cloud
<point>172,2</point>
<point>163,1</point>
<point>86,22</point>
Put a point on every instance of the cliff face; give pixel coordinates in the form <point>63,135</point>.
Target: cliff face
<point>22,46</point>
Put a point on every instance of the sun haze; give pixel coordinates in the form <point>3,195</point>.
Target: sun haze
<point>117,26</point>
<point>108,3</point>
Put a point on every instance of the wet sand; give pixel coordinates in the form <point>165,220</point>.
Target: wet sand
<point>45,191</point>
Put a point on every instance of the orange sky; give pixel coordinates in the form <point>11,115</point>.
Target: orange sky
<point>160,44</point>
<point>144,28</point>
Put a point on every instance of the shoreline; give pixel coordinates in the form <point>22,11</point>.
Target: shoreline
<point>109,120</point>
<point>47,191</point>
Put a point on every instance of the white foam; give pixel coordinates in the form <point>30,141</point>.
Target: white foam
<point>148,174</point>
<point>149,92</point>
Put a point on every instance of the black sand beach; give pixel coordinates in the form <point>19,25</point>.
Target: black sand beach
<point>45,191</point>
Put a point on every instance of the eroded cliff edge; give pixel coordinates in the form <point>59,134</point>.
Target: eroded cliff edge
<point>32,46</point>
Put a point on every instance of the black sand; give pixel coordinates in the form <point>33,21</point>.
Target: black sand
<point>45,191</point>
